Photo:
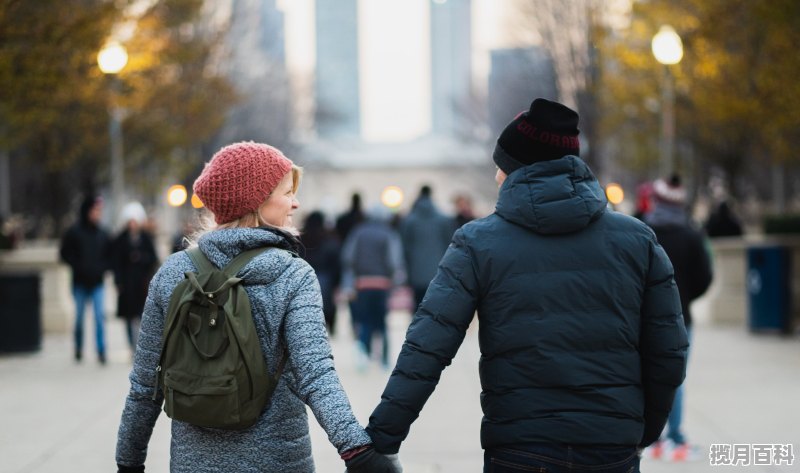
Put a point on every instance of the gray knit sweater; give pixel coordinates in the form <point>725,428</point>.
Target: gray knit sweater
<point>283,290</point>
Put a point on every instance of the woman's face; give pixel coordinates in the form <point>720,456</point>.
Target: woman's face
<point>281,204</point>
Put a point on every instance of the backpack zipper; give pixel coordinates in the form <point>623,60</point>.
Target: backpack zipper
<point>158,376</point>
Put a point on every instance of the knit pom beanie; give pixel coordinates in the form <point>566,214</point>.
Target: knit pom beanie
<point>239,178</point>
<point>669,190</point>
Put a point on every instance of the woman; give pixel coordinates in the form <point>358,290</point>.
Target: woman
<point>250,189</point>
<point>133,259</point>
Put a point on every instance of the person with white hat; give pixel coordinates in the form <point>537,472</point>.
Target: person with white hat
<point>133,261</point>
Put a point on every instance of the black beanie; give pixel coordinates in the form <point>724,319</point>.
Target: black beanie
<point>549,130</point>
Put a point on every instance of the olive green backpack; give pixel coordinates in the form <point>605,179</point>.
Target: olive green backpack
<point>212,369</point>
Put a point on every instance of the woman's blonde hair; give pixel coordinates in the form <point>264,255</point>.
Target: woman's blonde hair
<point>249,220</point>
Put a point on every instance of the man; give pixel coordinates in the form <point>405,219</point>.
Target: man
<point>86,248</point>
<point>686,249</point>
<point>426,233</point>
<point>581,335</point>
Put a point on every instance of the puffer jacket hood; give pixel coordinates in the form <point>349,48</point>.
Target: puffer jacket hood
<point>552,197</point>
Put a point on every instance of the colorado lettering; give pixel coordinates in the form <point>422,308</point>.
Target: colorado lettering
<point>546,137</point>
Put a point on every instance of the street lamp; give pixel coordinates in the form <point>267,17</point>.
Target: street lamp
<point>392,197</point>
<point>111,60</point>
<point>176,195</point>
<point>668,50</point>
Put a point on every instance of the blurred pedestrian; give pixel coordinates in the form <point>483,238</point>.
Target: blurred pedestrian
<point>7,240</point>
<point>86,248</point>
<point>425,233</point>
<point>464,212</point>
<point>322,252</point>
<point>581,337</point>
<point>134,261</point>
<point>347,221</point>
<point>250,189</point>
<point>722,222</point>
<point>688,253</point>
<point>372,264</point>
<point>644,200</point>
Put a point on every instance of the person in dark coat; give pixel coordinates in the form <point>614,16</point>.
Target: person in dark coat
<point>722,222</point>
<point>464,212</point>
<point>134,261</point>
<point>347,221</point>
<point>581,335</point>
<point>86,248</point>
<point>322,253</point>
<point>687,251</point>
<point>7,239</point>
<point>426,233</point>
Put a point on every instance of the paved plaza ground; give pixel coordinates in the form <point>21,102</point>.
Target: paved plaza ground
<point>58,416</point>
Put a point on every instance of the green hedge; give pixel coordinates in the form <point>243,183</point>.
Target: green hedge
<point>781,224</point>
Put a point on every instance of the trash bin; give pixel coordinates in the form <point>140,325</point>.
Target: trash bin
<point>20,313</point>
<point>768,288</point>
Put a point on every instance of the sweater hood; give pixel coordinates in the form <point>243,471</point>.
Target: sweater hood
<point>221,246</point>
<point>552,197</point>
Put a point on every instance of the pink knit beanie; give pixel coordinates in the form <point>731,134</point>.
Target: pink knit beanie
<point>239,178</point>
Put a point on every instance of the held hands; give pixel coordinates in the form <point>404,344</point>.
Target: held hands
<point>130,469</point>
<point>370,461</point>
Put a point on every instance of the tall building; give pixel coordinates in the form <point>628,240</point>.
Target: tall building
<point>337,85</point>
<point>256,65</point>
<point>451,70</point>
<point>516,77</point>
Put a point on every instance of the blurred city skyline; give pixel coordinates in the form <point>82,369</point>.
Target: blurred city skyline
<point>362,89</point>
<point>394,57</point>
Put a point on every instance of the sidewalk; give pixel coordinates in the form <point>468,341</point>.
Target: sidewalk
<point>59,416</point>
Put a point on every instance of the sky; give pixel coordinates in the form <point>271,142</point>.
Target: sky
<point>395,60</point>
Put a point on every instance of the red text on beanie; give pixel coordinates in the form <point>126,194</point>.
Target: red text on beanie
<point>239,178</point>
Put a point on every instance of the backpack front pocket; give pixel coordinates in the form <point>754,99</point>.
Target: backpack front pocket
<point>206,401</point>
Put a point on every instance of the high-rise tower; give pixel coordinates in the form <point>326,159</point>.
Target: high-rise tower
<point>337,84</point>
<point>451,71</point>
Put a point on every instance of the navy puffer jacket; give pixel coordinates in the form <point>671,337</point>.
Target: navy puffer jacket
<point>581,335</point>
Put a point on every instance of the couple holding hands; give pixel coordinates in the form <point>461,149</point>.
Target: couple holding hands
<point>581,333</point>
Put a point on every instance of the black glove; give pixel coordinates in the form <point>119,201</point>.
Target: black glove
<point>129,469</point>
<point>370,461</point>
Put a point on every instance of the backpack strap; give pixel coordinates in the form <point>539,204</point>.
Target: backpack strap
<point>232,269</point>
<point>204,265</point>
<point>200,261</point>
<point>241,260</point>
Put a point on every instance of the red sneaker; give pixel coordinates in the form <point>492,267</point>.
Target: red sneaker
<point>654,451</point>
<point>686,453</point>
